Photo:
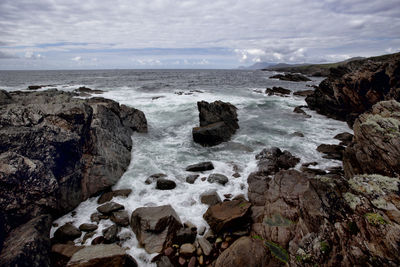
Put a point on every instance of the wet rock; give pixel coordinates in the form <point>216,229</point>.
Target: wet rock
<point>236,175</point>
<point>298,134</point>
<point>192,178</point>
<point>98,240</point>
<point>345,138</point>
<point>110,207</point>
<point>110,234</point>
<point>117,193</point>
<point>120,218</point>
<point>34,87</point>
<point>154,177</point>
<point>86,90</point>
<point>206,246</point>
<point>185,235</point>
<point>312,171</point>
<point>244,252</point>
<point>299,110</point>
<point>187,250</point>
<point>217,178</point>
<point>200,167</point>
<point>331,151</point>
<point>272,160</point>
<point>228,215</point>
<point>210,198</point>
<point>280,91</point>
<point>88,227</point>
<point>228,195</point>
<point>192,262</point>
<point>28,244</point>
<point>154,226</point>
<point>62,253</point>
<point>165,184</point>
<point>67,232</point>
<point>304,93</point>
<point>87,236</point>
<point>102,255</point>
<point>218,122</point>
<point>291,77</point>
<point>97,216</point>
<point>376,145</point>
<point>190,226</point>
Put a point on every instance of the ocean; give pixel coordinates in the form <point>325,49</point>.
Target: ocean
<point>168,98</point>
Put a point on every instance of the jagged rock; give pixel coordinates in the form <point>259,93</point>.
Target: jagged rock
<point>353,88</point>
<point>67,232</point>
<point>280,91</point>
<point>120,218</point>
<point>217,178</point>
<point>200,167</point>
<point>28,244</point>
<point>192,178</point>
<point>154,177</point>
<point>110,207</point>
<point>376,144</point>
<point>97,216</point>
<point>290,77</point>
<point>299,110</point>
<point>102,255</point>
<point>244,252</point>
<point>218,122</point>
<point>227,215</point>
<point>345,138</point>
<point>210,198</point>
<point>154,226</point>
<point>304,93</point>
<point>62,253</point>
<point>86,90</point>
<point>331,151</point>
<point>273,159</point>
<point>110,234</point>
<point>165,184</point>
<point>117,193</point>
<point>88,227</point>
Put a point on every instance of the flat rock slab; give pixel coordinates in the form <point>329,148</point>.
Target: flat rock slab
<point>67,232</point>
<point>102,255</point>
<point>200,167</point>
<point>227,215</point>
<point>154,226</point>
<point>110,207</point>
<point>117,193</point>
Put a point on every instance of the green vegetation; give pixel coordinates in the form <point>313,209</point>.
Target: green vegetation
<point>278,220</point>
<point>277,251</point>
<point>257,237</point>
<point>375,219</point>
<point>324,246</point>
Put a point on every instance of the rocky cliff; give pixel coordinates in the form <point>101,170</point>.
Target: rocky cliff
<point>353,88</point>
<point>56,151</point>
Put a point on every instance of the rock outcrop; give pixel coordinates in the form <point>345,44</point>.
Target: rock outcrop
<point>279,91</point>
<point>57,150</point>
<point>291,77</point>
<point>218,122</point>
<point>353,88</point>
<point>376,144</point>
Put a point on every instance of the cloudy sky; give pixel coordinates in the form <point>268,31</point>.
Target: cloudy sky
<point>91,34</point>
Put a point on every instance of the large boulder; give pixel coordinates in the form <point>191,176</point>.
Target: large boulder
<point>218,122</point>
<point>57,150</point>
<point>376,144</point>
<point>102,255</point>
<point>273,159</point>
<point>228,215</point>
<point>154,226</point>
<point>353,88</point>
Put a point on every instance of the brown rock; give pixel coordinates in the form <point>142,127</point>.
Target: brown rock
<point>88,227</point>
<point>331,151</point>
<point>187,250</point>
<point>120,218</point>
<point>62,253</point>
<point>110,207</point>
<point>210,198</point>
<point>67,232</point>
<point>117,193</point>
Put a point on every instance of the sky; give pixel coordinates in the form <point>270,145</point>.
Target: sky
<point>195,34</point>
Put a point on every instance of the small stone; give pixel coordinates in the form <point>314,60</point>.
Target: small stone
<point>154,177</point>
<point>228,239</point>
<point>98,240</point>
<point>181,261</point>
<point>110,234</point>
<point>236,175</point>
<point>190,225</point>
<point>165,184</point>
<point>206,246</point>
<point>88,227</point>
<point>168,251</point>
<point>201,230</point>
<point>97,216</point>
<point>110,207</point>
<point>192,262</point>
<point>203,178</point>
<point>200,167</point>
<point>201,260</point>
<point>224,245</point>
<point>218,240</point>
<point>217,178</point>
<point>209,235</point>
<point>164,261</point>
<point>199,252</point>
<point>87,236</point>
<point>192,178</point>
<point>187,250</point>
<point>120,217</point>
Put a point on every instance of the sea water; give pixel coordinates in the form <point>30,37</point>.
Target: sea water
<point>169,100</point>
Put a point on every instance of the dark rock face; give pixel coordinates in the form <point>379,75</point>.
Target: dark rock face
<point>291,77</point>
<point>304,93</point>
<point>299,110</point>
<point>331,151</point>
<point>154,226</point>
<point>117,193</point>
<point>200,167</point>
<point>218,122</point>
<point>352,89</point>
<point>102,255</point>
<point>56,151</point>
<point>279,91</point>
<point>28,244</point>
<point>345,138</point>
<point>244,252</point>
<point>273,159</point>
<point>228,215</point>
<point>376,144</point>
<point>62,253</point>
<point>66,233</point>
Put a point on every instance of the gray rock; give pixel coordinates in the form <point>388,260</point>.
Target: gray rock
<point>187,250</point>
<point>117,193</point>
<point>165,184</point>
<point>120,218</point>
<point>217,178</point>
<point>110,207</point>
<point>205,245</point>
<point>192,178</point>
<point>154,177</point>
<point>200,167</point>
<point>97,216</point>
<point>154,226</point>
<point>102,255</point>
<point>67,232</point>
<point>110,234</point>
<point>210,198</point>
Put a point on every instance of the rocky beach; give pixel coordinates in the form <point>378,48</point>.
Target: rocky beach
<point>267,169</point>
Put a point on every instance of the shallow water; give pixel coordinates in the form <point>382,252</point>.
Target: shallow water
<point>168,148</point>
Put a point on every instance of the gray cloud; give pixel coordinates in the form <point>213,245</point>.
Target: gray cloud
<point>286,30</point>
<point>4,55</point>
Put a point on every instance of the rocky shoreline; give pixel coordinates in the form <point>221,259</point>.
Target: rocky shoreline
<point>58,150</point>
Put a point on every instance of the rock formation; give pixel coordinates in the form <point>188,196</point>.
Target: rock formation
<point>218,122</point>
<point>57,150</point>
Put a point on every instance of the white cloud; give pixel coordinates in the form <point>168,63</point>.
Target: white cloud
<point>77,58</point>
<point>32,55</point>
